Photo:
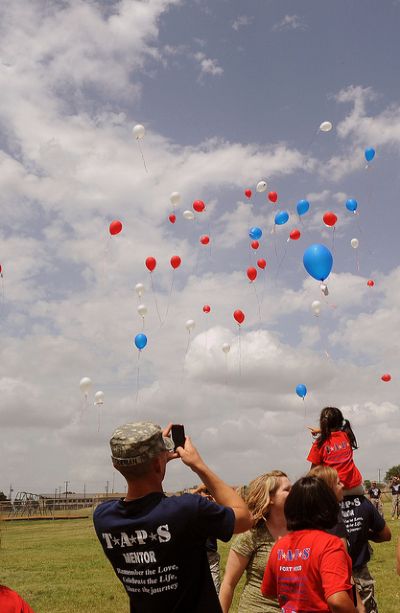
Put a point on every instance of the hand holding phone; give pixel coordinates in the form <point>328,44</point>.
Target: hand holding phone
<point>178,435</point>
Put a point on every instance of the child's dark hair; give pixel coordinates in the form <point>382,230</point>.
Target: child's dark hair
<point>331,420</point>
<point>311,505</point>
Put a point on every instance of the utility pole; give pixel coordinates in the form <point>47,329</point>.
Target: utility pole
<point>379,475</point>
<point>84,490</point>
<point>66,489</point>
<point>11,491</point>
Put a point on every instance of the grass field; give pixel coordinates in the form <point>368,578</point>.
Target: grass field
<point>59,567</point>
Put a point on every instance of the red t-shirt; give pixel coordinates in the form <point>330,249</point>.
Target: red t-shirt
<point>11,602</point>
<point>336,452</point>
<point>304,569</point>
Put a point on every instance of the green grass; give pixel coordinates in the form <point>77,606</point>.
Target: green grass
<point>59,567</point>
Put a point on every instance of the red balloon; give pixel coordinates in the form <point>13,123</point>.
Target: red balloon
<point>199,206</point>
<point>386,377</point>
<point>115,227</point>
<point>370,283</point>
<point>255,244</point>
<point>204,239</point>
<point>247,193</point>
<point>175,261</point>
<point>252,273</point>
<point>172,218</point>
<point>273,196</point>
<point>239,316</point>
<point>295,235</point>
<point>151,263</point>
<point>329,218</point>
<point>206,308</point>
<point>261,263</point>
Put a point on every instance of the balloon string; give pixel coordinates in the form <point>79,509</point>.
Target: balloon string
<point>137,376</point>
<point>333,240</point>
<point>322,339</point>
<point>240,351</point>
<point>155,298</point>
<point>169,297</point>
<point>99,419</point>
<point>188,343</point>
<point>141,152</point>
<point>264,287</point>
<point>258,301</point>
<point>3,294</point>
<point>357,261</point>
<point>281,261</point>
<point>313,138</point>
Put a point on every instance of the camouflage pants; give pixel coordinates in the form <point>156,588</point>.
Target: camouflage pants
<point>213,561</point>
<point>395,506</point>
<point>365,584</point>
<point>378,505</point>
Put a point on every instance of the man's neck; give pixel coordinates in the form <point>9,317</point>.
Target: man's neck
<point>138,489</point>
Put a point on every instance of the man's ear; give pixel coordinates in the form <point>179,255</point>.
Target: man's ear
<point>157,464</point>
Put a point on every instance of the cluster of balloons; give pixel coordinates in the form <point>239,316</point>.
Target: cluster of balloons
<point>151,262</point>
<point>85,385</point>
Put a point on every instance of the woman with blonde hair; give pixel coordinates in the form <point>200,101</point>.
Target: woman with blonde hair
<point>249,551</point>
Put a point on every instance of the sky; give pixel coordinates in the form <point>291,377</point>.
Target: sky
<point>230,94</point>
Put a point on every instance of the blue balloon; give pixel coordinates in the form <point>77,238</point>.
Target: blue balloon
<point>301,390</point>
<point>281,218</point>
<point>255,233</point>
<point>369,154</point>
<point>302,207</point>
<point>351,205</point>
<point>140,341</point>
<point>318,261</point>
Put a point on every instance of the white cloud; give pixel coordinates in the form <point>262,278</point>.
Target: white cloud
<point>208,65</point>
<point>242,21</point>
<point>289,22</point>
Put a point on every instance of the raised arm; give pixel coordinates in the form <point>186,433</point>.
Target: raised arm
<point>235,566</point>
<point>223,493</point>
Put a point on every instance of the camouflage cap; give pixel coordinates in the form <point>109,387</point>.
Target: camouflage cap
<point>137,443</point>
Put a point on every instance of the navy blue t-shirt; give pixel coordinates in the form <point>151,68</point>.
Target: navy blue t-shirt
<point>156,545</point>
<point>360,517</point>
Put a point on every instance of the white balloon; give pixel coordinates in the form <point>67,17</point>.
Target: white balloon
<point>139,288</point>
<point>261,186</point>
<point>316,307</point>
<point>189,215</point>
<point>139,131</point>
<point>175,198</point>
<point>190,324</point>
<point>85,384</point>
<point>226,347</point>
<point>354,243</point>
<point>326,126</point>
<point>99,398</point>
<point>142,310</point>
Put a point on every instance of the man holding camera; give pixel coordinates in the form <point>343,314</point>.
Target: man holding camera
<point>155,543</point>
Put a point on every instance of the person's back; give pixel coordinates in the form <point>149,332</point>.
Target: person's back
<point>334,447</point>
<point>363,523</point>
<point>157,544</point>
